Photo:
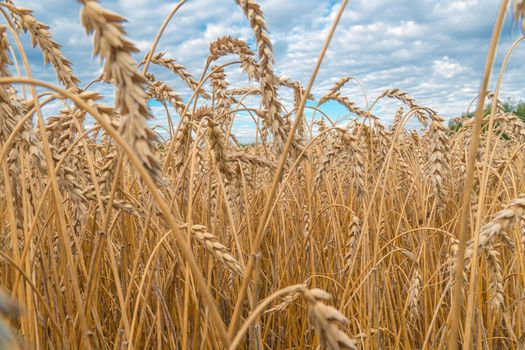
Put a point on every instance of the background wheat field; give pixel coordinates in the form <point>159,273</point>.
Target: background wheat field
<point>354,235</point>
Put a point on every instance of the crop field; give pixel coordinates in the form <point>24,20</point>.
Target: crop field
<point>318,235</point>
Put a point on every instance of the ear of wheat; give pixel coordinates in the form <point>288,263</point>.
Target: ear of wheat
<point>354,232</point>
<point>218,250</point>
<point>414,295</point>
<point>162,92</point>
<point>41,36</point>
<point>221,99</point>
<point>179,70</point>
<point>270,100</point>
<point>334,94</point>
<point>439,151</point>
<point>407,100</point>
<point>326,321</point>
<point>131,99</point>
<point>227,45</point>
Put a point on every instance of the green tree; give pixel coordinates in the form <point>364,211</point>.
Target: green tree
<point>518,109</point>
<point>508,107</point>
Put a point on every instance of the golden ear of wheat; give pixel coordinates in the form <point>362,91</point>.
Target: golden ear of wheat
<point>407,100</point>
<point>41,37</point>
<point>219,251</point>
<point>414,295</point>
<point>227,45</point>
<point>179,70</point>
<point>270,100</point>
<point>325,161</point>
<point>162,92</point>
<point>334,94</point>
<point>354,231</point>
<point>326,320</point>
<point>131,99</point>
<point>439,153</point>
<point>220,95</point>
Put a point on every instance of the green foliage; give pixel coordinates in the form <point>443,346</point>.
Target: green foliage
<point>508,107</point>
<point>520,110</point>
<point>517,109</point>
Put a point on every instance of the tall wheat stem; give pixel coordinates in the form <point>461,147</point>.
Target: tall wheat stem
<point>455,312</point>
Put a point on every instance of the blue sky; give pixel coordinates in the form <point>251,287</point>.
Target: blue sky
<point>433,49</point>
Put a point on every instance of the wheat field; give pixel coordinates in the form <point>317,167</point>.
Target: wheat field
<point>354,235</point>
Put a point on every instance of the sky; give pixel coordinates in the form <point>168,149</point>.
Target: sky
<point>433,49</point>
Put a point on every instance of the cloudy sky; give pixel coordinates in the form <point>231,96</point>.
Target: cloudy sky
<point>433,49</point>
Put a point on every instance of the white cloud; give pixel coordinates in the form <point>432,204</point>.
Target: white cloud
<point>447,68</point>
